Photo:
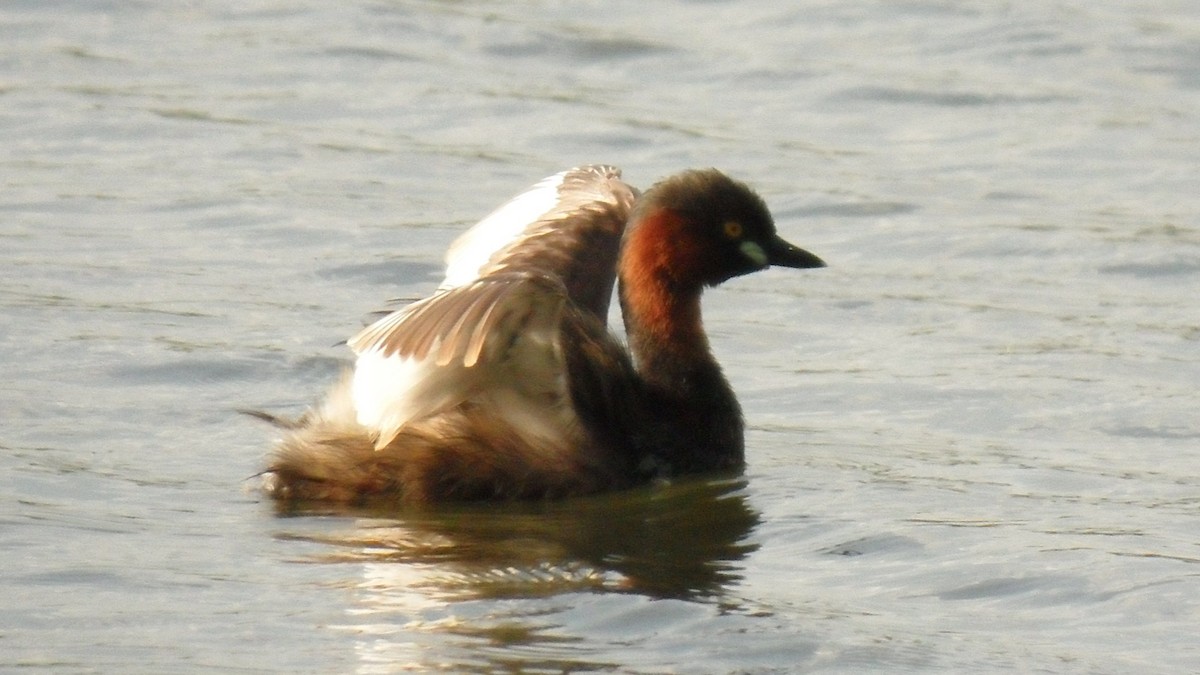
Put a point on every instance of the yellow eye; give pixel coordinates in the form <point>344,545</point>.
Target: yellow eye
<point>733,229</point>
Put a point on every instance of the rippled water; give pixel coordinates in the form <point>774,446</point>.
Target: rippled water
<point>973,440</point>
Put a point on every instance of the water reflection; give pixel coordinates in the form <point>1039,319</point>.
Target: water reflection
<point>678,541</point>
<point>480,588</point>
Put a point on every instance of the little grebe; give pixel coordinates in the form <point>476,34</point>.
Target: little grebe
<point>506,382</point>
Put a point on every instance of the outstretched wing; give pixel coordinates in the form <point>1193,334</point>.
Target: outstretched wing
<point>567,226</point>
<point>467,324</point>
<point>496,337</point>
<point>494,324</point>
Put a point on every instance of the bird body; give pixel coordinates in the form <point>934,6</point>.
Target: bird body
<point>506,382</point>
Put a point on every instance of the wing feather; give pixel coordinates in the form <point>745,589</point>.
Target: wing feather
<point>492,329</point>
<point>495,334</point>
<point>567,226</point>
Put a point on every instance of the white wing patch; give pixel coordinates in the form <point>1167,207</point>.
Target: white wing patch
<point>391,391</point>
<point>422,360</point>
<point>472,250</point>
<point>494,340</point>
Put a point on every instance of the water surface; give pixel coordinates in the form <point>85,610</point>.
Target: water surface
<point>972,444</point>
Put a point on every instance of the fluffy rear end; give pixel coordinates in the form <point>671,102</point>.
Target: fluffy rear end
<point>463,455</point>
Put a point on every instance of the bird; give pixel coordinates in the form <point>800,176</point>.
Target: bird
<point>506,382</point>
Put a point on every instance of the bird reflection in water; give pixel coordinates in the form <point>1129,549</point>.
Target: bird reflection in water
<point>680,541</point>
<point>526,586</point>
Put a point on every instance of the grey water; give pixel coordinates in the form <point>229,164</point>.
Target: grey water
<point>973,441</point>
